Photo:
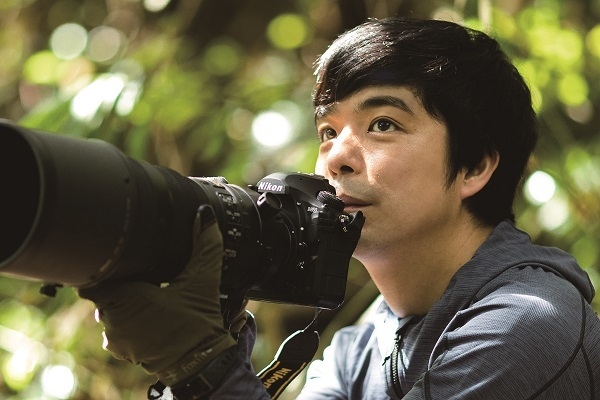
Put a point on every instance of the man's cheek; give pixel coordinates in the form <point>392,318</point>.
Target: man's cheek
<point>320,166</point>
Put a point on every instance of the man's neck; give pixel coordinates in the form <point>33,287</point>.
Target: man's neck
<point>412,278</point>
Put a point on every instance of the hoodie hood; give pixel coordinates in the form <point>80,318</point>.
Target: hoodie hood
<point>509,247</point>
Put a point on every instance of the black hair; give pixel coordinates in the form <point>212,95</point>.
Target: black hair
<point>462,77</point>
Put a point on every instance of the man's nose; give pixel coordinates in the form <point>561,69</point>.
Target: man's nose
<point>344,156</point>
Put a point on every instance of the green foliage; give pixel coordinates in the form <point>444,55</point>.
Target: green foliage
<point>182,87</point>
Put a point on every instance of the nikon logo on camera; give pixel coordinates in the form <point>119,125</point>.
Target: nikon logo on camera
<point>273,187</point>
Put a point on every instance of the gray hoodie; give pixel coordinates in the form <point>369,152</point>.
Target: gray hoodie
<point>514,323</point>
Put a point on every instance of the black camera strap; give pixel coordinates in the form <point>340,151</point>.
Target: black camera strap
<point>293,356</point>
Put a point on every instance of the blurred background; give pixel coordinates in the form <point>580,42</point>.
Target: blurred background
<point>223,88</point>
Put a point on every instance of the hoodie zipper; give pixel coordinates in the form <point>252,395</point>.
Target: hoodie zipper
<point>395,358</point>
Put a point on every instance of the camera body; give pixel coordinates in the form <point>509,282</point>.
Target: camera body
<point>286,239</point>
<point>77,212</point>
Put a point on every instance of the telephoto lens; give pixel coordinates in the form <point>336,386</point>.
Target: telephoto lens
<point>78,211</point>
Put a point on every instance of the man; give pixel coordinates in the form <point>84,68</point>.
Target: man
<point>426,128</point>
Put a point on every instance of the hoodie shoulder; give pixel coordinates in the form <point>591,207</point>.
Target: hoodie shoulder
<point>508,247</point>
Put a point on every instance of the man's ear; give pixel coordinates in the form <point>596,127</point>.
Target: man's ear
<point>473,180</point>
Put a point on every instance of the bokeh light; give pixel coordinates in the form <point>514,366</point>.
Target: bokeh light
<point>68,41</point>
<point>271,129</point>
<point>568,47</point>
<point>105,44</point>
<point>553,214</point>
<point>18,370</point>
<point>582,113</point>
<point>592,41</point>
<point>540,187</point>
<point>288,31</point>
<point>572,89</point>
<point>128,98</point>
<point>41,68</point>
<point>101,93</point>
<point>156,5</point>
<point>58,381</point>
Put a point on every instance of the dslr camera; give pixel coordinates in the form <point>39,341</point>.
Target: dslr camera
<point>77,212</point>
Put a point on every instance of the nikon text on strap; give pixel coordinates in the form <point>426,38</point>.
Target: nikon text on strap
<point>292,357</point>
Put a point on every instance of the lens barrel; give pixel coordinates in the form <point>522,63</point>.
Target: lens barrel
<point>77,211</point>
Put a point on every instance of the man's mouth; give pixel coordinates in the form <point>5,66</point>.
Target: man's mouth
<point>352,203</point>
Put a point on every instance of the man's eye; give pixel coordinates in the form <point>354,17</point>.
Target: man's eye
<point>383,125</point>
<point>327,134</point>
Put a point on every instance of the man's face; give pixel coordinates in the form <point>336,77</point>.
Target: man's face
<point>387,157</point>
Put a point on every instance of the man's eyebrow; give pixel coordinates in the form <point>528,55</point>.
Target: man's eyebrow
<point>382,101</point>
<point>324,110</point>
